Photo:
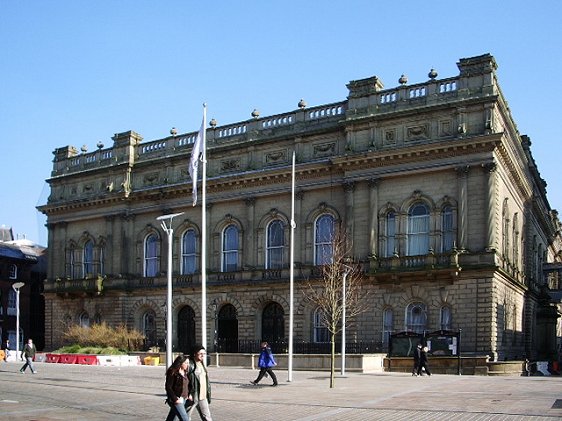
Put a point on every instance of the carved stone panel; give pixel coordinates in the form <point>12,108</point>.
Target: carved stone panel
<point>228,165</point>
<point>389,137</point>
<point>418,132</point>
<point>276,157</point>
<point>324,149</point>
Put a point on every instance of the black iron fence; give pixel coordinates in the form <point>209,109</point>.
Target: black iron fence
<point>282,347</point>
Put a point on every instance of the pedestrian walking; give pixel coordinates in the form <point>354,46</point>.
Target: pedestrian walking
<point>423,362</point>
<point>200,386</point>
<point>178,390</point>
<point>417,357</point>
<point>7,350</point>
<point>28,353</point>
<point>265,362</point>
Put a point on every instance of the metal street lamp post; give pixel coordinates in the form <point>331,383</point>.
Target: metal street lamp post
<point>16,286</point>
<point>168,229</point>
<point>345,273</point>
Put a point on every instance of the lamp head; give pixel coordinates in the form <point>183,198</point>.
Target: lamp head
<point>17,285</point>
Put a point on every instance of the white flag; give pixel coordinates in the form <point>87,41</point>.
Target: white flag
<point>195,158</point>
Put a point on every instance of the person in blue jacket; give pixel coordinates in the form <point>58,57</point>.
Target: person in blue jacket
<point>265,363</point>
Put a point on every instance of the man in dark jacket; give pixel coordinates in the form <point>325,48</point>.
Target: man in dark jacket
<point>266,362</point>
<point>417,357</point>
<point>28,353</point>
<point>423,361</point>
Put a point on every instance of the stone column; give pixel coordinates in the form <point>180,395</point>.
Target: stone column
<point>349,188</point>
<point>373,215</point>
<point>250,246</point>
<point>299,242</point>
<point>491,238</point>
<point>52,271</point>
<point>462,225</point>
<point>110,248</point>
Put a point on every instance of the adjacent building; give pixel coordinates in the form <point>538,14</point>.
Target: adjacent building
<point>433,182</point>
<point>23,269</point>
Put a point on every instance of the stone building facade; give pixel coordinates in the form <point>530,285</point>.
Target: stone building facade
<point>432,181</point>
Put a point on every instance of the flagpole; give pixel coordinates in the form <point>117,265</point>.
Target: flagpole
<point>291,274</point>
<point>204,234</point>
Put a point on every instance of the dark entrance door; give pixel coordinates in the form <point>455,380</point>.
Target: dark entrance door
<point>273,323</point>
<point>186,329</point>
<point>227,329</point>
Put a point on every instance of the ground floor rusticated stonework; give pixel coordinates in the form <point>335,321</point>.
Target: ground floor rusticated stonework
<point>436,189</point>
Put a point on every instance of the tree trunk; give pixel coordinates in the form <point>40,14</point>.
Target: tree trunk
<point>332,360</point>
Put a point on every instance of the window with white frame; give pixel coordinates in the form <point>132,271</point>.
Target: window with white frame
<point>230,246</point>
<point>387,324</point>
<point>446,318</point>
<point>88,258</point>
<point>320,331</point>
<point>151,255</point>
<point>275,245</point>
<point>13,272</point>
<point>323,239</point>
<point>416,317</point>
<point>448,232</point>
<point>188,252</point>
<point>418,230</point>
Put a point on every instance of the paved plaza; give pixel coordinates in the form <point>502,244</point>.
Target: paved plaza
<point>80,392</point>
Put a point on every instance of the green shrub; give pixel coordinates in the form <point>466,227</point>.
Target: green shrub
<point>103,336</point>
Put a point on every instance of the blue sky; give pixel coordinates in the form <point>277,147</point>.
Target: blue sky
<point>74,72</point>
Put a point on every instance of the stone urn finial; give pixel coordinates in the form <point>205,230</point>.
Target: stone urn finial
<point>255,114</point>
<point>403,80</point>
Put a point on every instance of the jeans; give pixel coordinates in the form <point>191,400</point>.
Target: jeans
<point>203,409</point>
<point>178,410</point>
<point>28,363</point>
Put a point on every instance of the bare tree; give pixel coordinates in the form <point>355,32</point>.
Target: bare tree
<point>327,293</point>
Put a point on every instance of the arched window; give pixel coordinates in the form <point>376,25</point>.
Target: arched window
<point>387,325</point>
<point>148,326</point>
<point>275,245</point>
<point>416,317</point>
<point>230,249</point>
<point>188,252</point>
<point>84,319</point>
<point>323,240</point>
<point>448,233</point>
<point>88,258</point>
<point>97,319</point>
<point>151,255</point>
<point>273,323</point>
<point>13,274</point>
<point>390,234</point>
<point>320,331</point>
<point>446,318</point>
<point>418,230</point>
<point>11,309</point>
